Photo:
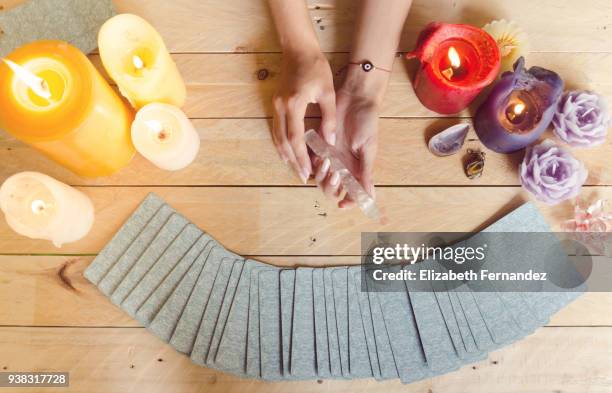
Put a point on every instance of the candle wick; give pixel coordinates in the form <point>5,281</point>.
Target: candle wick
<point>45,87</point>
<point>160,133</point>
<point>448,73</point>
<point>587,112</point>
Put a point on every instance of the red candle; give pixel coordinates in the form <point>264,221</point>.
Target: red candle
<point>457,62</point>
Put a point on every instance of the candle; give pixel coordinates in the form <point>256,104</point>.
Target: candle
<point>457,62</point>
<point>40,207</point>
<point>165,136</point>
<point>518,109</point>
<point>512,41</point>
<point>53,98</point>
<point>136,58</point>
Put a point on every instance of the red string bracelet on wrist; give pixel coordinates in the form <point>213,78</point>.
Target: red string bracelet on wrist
<point>367,66</point>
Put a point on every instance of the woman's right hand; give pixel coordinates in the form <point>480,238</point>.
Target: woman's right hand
<point>306,78</point>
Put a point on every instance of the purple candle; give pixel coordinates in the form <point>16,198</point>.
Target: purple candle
<point>519,108</point>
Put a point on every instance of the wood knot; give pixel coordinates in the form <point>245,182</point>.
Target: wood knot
<point>62,273</point>
<point>263,74</point>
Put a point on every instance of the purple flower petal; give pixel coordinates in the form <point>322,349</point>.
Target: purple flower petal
<point>551,173</point>
<point>582,119</point>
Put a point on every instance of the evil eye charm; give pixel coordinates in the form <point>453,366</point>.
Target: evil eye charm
<point>367,66</point>
<point>474,165</point>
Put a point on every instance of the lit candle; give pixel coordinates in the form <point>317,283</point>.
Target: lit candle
<point>165,136</point>
<point>40,207</point>
<point>519,108</point>
<point>136,58</point>
<point>54,99</point>
<point>457,62</point>
<point>453,71</point>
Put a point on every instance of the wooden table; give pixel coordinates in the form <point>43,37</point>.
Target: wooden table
<point>238,190</point>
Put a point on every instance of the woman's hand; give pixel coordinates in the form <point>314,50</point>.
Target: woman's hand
<point>306,78</point>
<point>357,107</point>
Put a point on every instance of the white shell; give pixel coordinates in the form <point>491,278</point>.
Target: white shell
<point>449,141</point>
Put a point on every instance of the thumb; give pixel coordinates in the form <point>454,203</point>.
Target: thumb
<point>367,159</point>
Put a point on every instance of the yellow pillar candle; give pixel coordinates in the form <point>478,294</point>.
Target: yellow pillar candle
<point>73,116</point>
<point>135,56</point>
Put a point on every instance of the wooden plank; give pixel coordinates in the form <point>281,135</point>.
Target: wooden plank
<point>571,360</point>
<point>234,85</point>
<point>246,26</point>
<point>242,85</point>
<point>298,221</point>
<point>8,4</point>
<point>239,26</point>
<point>240,151</point>
<point>51,291</point>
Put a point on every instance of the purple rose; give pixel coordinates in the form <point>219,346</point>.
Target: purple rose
<point>582,119</point>
<point>551,173</point>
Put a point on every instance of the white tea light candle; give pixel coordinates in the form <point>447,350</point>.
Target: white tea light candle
<point>164,135</point>
<point>136,58</point>
<point>39,207</point>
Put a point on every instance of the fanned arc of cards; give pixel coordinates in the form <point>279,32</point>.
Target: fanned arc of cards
<point>259,321</point>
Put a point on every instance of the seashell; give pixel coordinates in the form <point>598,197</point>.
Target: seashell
<point>513,42</point>
<point>449,141</point>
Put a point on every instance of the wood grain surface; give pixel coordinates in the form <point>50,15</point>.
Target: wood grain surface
<point>238,190</point>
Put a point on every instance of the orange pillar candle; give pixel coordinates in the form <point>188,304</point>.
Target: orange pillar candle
<point>73,116</point>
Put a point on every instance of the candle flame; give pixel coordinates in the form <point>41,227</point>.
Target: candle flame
<point>519,108</point>
<point>138,63</point>
<point>154,125</point>
<point>38,85</point>
<point>453,57</point>
<point>38,206</point>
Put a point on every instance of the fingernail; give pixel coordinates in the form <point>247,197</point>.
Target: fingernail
<point>285,159</point>
<point>326,165</point>
<point>332,139</point>
<point>305,175</point>
<point>335,179</point>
